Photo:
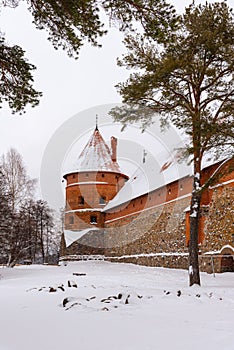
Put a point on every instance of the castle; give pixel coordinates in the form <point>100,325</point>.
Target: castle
<point>143,219</point>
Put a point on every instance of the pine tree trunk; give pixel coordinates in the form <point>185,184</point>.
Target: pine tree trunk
<point>194,275</point>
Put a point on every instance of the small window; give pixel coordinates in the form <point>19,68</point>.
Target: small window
<point>71,220</point>
<point>169,191</point>
<point>103,175</point>
<point>81,200</point>
<point>102,200</point>
<point>141,201</point>
<point>87,175</point>
<point>181,187</point>
<point>93,219</point>
<point>73,176</point>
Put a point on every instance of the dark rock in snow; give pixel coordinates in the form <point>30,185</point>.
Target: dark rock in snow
<point>29,290</point>
<point>105,309</point>
<point>72,305</point>
<point>179,293</point>
<point>126,301</point>
<point>106,300</point>
<point>72,284</point>
<point>61,287</point>
<point>65,301</point>
<point>167,292</point>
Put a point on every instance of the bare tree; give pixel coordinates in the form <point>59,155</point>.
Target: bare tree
<point>19,186</point>
<point>27,228</point>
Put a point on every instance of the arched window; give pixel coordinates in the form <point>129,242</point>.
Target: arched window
<point>102,200</point>
<point>93,219</point>
<point>80,200</point>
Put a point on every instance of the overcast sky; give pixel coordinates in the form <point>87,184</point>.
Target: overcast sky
<point>69,87</point>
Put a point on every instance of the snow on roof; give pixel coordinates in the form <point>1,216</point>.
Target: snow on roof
<point>156,172</point>
<point>159,170</point>
<point>96,156</point>
<point>72,236</point>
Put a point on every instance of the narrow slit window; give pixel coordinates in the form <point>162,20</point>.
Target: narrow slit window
<point>81,200</point>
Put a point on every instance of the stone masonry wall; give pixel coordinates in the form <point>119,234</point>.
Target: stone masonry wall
<point>90,244</point>
<point>159,230</point>
<point>219,228</point>
<point>156,235</point>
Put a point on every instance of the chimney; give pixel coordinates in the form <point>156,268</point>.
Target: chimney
<point>113,148</point>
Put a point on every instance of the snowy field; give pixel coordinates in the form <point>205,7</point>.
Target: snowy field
<point>114,307</point>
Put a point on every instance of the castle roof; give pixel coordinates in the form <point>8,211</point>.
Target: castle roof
<point>149,177</point>
<point>96,155</point>
<point>152,176</point>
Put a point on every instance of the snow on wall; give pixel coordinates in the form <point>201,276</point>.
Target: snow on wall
<point>88,183</point>
<point>72,236</point>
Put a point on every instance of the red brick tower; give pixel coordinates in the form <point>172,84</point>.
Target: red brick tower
<point>96,181</point>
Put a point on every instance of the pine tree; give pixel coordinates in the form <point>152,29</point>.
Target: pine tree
<point>69,24</point>
<point>187,79</point>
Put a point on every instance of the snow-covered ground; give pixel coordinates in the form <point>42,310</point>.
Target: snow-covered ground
<point>114,307</point>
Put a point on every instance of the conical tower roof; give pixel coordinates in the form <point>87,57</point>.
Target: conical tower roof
<point>96,155</point>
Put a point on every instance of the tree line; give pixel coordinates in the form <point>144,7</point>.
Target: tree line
<point>29,232</point>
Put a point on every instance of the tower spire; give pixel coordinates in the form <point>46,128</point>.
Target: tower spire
<point>96,122</point>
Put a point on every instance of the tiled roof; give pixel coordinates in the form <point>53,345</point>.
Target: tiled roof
<point>96,155</point>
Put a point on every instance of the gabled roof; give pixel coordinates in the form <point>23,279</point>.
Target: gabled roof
<point>152,176</point>
<point>96,155</point>
<point>149,177</point>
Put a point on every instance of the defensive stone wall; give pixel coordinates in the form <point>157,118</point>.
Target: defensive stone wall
<point>90,244</point>
<point>219,227</point>
<point>151,229</point>
<point>160,229</point>
<point>163,242</point>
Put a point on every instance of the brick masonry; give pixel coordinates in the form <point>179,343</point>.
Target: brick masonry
<point>151,229</point>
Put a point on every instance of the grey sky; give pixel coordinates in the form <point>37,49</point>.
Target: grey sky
<point>68,86</point>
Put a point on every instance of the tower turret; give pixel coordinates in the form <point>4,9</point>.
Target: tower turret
<point>96,181</point>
